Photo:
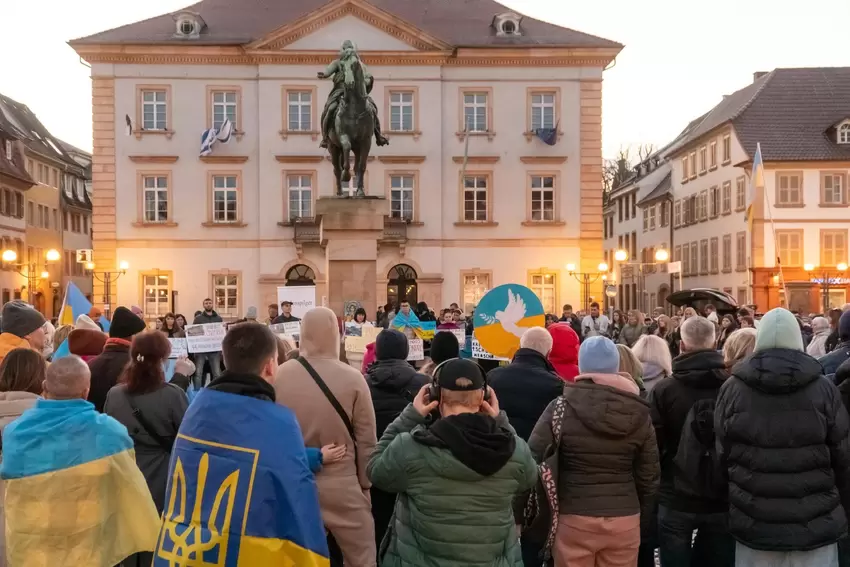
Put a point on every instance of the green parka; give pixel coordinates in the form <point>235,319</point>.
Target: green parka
<point>448,515</point>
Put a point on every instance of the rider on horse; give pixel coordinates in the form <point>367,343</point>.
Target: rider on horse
<point>336,70</point>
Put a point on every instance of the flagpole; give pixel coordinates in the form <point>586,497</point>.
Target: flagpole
<point>775,251</point>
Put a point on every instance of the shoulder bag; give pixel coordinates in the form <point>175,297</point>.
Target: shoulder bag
<point>166,444</point>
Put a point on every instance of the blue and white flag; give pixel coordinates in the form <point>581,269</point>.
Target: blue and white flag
<point>213,135</point>
<point>225,132</point>
<point>549,136</point>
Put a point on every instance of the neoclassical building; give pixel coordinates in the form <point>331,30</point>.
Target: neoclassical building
<point>474,198</point>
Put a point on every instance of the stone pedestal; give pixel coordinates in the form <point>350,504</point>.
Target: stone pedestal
<point>350,231</point>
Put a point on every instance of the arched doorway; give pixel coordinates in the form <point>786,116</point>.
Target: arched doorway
<point>663,294</point>
<point>402,285</point>
<point>300,275</point>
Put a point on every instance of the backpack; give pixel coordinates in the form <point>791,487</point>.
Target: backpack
<point>699,472</point>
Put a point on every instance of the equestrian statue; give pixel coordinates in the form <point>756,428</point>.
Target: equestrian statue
<point>350,117</point>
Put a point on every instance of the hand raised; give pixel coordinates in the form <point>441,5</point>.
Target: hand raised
<point>491,408</point>
<point>422,403</point>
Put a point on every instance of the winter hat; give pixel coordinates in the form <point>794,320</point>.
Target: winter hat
<point>844,327</point>
<point>391,345</point>
<point>20,319</point>
<point>779,329</point>
<point>85,322</point>
<point>444,346</point>
<point>86,342</point>
<point>460,375</point>
<point>598,355</point>
<point>251,313</point>
<point>125,324</point>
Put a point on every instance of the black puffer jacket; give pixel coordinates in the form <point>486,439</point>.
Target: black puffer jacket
<point>393,384</point>
<point>785,440</point>
<point>696,376</point>
<point>525,388</point>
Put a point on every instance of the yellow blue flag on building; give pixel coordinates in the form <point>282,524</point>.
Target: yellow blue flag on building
<point>74,495</point>
<point>240,491</point>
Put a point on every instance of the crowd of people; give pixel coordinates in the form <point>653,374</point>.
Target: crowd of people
<point>696,440</point>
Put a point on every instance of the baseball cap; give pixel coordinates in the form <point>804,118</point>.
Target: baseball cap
<point>460,375</point>
<point>286,302</point>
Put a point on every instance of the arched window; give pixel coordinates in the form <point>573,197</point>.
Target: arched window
<point>402,285</point>
<point>300,275</point>
<point>844,133</point>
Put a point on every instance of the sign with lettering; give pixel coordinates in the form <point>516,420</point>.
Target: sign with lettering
<point>416,349</point>
<point>460,334</point>
<point>302,297</point>
<point>179,348</point>
<point>205,338</point>
<point>481,354</point>
<point>290,329</point>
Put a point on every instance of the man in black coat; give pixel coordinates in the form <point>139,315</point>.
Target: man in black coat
<point>107,367</point>
<point>784,438</point>
<point>841,352</point>
<point>698,374</point>
<point>569,317</point>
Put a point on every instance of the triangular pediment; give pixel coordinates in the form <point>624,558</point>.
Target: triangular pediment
<point>370,28</point>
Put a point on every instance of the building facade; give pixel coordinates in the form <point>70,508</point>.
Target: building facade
<point>476,199</point>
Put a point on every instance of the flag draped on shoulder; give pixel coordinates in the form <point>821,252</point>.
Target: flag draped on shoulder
<point>74,495</point>
<point>424,330</point>
<point>240,489</point>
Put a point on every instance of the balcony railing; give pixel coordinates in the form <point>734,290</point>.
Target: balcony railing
<point>306,231</point>
<point>395,230</point>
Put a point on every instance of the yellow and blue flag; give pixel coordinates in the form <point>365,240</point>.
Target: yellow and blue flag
<point>424,330</point>
<point>76,304</point>
<point>240,491</point>
<point>74,495</point>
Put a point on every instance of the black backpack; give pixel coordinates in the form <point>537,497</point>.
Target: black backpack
<point>698,469</point>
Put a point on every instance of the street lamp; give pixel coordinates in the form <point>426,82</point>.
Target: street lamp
<point>661,257</point>
<point>587,278</point>
<point>826,280</point>
<point>107,278</point>
<point>30,270</point>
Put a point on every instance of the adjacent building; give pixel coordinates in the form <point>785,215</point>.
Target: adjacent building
<point>476,198</point>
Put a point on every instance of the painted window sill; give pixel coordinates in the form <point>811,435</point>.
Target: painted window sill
<point>303,222</point>
<point>712,168</point>
<point>545,223</point>
<point>834,205</point>
<point>727,213</point>
<point>531,134</point>
<point>703,172</point>
<point>488,134</point>
<point>415,134</point>
<point>741,210</point>
<point>314,134</point>
<point>224,224</point>
<point>726,270</point>
<point>140,133</point>
<point>145,224</point>
<point>236,133</point>
<point>399,222</point>
<point>789,205</point>
<point>476,223</point>
<point>727,162</point>
<point>744,269</point>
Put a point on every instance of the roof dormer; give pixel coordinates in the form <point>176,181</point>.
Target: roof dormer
<point>507,24</point>
<point>842,132</point>
<point>188,24</point>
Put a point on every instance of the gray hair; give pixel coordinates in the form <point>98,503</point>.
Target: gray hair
<point>67,378</point>
<point>820,324</point>
<point>698,334</point>
<point>537,339</point>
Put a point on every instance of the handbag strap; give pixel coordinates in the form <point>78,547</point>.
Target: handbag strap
<point>166,444</point>
<point>332,399</point>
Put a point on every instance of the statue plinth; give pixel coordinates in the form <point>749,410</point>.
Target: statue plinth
<point>351,229</point>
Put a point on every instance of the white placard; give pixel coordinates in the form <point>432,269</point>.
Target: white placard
<point>416,350</point>
<point>290,329</point>
<point>480,353</point>
<point>205,338</point>
<point>356,344</point>
<point>179,348</point>
<point>460,335</point>
<point>674,267</point>
<point>303,298</point>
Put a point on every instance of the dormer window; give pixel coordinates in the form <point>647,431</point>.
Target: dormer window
<point>844,133</point>
<point>188,24</point>
<point>508,24</point>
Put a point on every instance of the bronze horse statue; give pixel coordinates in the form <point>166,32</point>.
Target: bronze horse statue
<point>354,125</point>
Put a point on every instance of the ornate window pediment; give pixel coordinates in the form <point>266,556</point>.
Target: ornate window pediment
<point>188,24</point>
<point>508,24</point>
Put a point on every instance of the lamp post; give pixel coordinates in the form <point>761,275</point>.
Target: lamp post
<point>587,278</point>
<point>661,257</point>
<point>826,281</point>
<point>107,278</point>
<point>30,270</point>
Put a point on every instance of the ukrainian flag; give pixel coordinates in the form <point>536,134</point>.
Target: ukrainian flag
<point>76,304</point>
<point>74,495</point>
<point>240,492</point>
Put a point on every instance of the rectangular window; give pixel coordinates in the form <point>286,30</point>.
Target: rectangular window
<point>727,252</point>
<point>833,189</point>
<point>475,112</point>
<point>703,157</point>
<point>31,213</point>
<point>646,219</point>
<point>156,292</point>
<point>684,169</point>
<point>155,190</point>
<point>300,108</point>
<point>634,245</point>
<point>225,195</point>
<point>694,258</point>
<point>66,225</point>
<point>789,189</point>
<point>833,248</point>
<point>154,109</point>
<point>677,214</point>
<point>401,196</point>
<point>712,154</point>
<point>542,198</point>
<point>714,202</point>
<point>224,107</point>
<point>300,196</point>
<point>620,210</point>
<point>741,251</point>
<point>651,217</point>
<point>55,219</point>
<point>85,224</point>
<point>475,198</point>
<point>401,111</point>
<point>665,213</point>
<point>727,197</point>
<point>475,286</point>
<point>542,111</point>
<point>545,286</point>
<point>703,205</point>
<point>692,157</point>
<point>740,194</point>
<point>715,255</point>
<point>727,148</point>
<point>686,260</point>
<point>56,178</point>
<point>226,294</point>
<point>703,256</point>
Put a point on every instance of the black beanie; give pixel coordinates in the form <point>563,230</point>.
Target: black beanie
<point>444,347</point>
<point>391,345</point>
<point>20,319</point>
<point>125,324</point>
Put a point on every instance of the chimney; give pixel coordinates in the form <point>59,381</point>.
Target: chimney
<point>758,75</point>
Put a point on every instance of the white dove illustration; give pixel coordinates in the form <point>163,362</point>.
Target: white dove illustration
<point>514,312</point>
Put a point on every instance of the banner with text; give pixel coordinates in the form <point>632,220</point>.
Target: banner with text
<point>481,354</point>
<point>303,298</point>
<point>205,338</point>
<point>291,330</point>
<point>416,350</point>
<point>460,334</point>
<point>358,344</point>
<point>178,348</point>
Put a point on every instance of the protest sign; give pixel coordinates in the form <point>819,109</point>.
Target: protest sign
<point>178,348</point>
<point>291,329</point>
<point>370,333</point>
<point>356,344</point>
<point>303,298</point>
<point>503,315</point>
<point>416,349</point>
<point>460,334</point>
<point>205,338</point>
<point>481,354</point>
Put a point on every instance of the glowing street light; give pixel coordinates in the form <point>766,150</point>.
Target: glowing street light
<point>661,255</point>
<point>621,255</point>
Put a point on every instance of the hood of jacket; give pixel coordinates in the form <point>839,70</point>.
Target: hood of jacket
<point>248,385</point>
<point>86,342</point>
<point>843,372</point>
<point>607,404</point>
<point>700,369</point>
<point>8,342</point>
<point>778,370</point>
<point>391,374</point>
<point>652,371</point>
<point>474,439</point>
<point>319,334</point>
<point>564,354</point>
<point>13,404</point>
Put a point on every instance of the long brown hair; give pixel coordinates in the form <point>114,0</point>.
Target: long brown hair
<point>144,373</point>
<point>23,370</point>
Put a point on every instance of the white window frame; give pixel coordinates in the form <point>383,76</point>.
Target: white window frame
<point>740,193</point>
<point>157,287</point>
<point>677,214</point>
<point>473,189</point>
<point>224,108</point>
<point>228,205</point>
<point>703,158</point>
<point>833,195</point>
<point>222,283</point>
<point>726,199</point>
<point>539,189</point>
<point>788,189</point>
<point>712,154</point>
<point>646,219</point>
<point>651,217</point>
<point>402,185</point>
<point>303,102</point>
<point>402,102</point>
<point>542,110</point>
<point>844,133</point>
<point>546,291</point>
<point>156,188</point>
<point>475,286</point>
<point>694,258</point>
<point>741,251</point>
<point>156,108</point>
<point>727,252</point>
<point>727,148</point>
<point>295,183</point>
<point>475,103</point>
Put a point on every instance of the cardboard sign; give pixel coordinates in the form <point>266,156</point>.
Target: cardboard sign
<point>179,348</point>
<point>205,338</point>
<point>370,333</point>
<point>290,329</point>
<point>481,354</point>
<point>356,344</point>
<point>416,350</point>
<point>303,298</point>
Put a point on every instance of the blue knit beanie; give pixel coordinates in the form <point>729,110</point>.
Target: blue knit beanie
<point>598,355</point>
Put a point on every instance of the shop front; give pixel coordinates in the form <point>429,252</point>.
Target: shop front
<point>809,290</point>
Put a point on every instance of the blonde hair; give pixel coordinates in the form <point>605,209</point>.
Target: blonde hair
<point>630,364</point>
<point>654,349</point>
<point>739,346</point>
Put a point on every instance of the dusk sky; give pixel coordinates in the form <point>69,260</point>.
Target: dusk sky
<point>678,61</point>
